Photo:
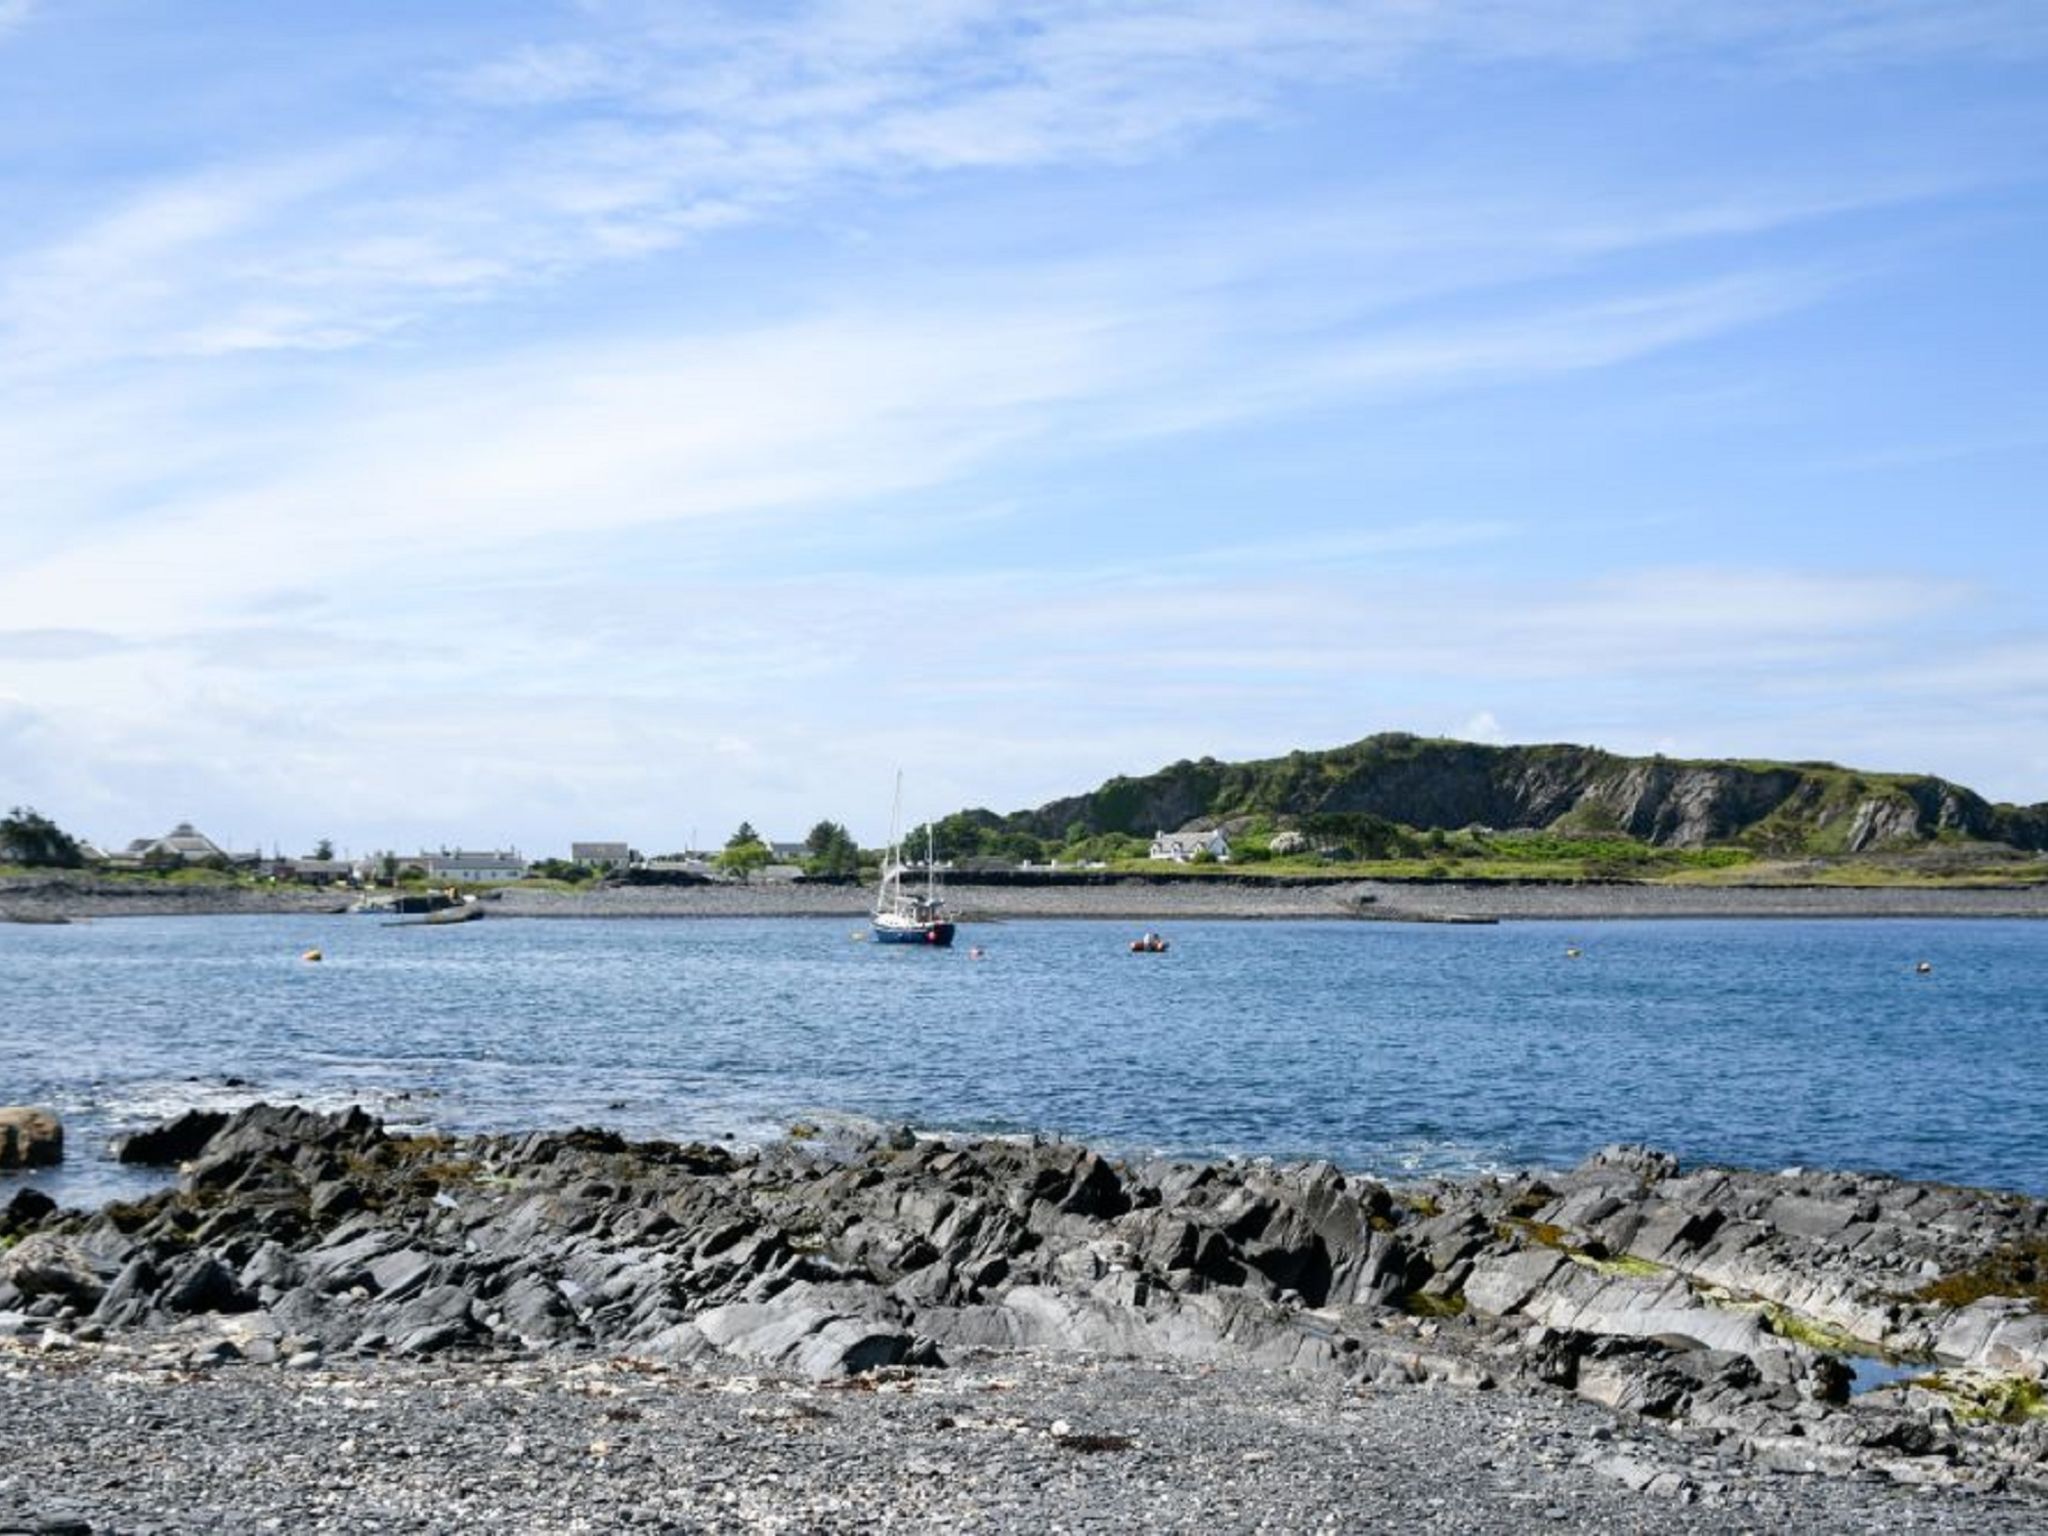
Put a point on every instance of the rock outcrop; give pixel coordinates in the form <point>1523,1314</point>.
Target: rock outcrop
<point>1733,1306</point>
<point>30,1138</point>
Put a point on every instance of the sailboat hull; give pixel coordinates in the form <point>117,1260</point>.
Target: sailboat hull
<point>934,934</point>
<point>937,935</point>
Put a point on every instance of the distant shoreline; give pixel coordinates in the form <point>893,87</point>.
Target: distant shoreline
<point>47,900</point>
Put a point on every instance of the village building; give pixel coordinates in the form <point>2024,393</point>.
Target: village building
<point>471,866</point>
<point>314,871</point>
<point>601,855</point>
<point>181,847</point>
<point>1182,847</point>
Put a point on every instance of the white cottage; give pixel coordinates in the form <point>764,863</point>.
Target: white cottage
<point>472,865</point>
<point>1181,847</point>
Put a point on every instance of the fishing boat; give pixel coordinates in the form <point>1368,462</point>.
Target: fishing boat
<point>904,915</point>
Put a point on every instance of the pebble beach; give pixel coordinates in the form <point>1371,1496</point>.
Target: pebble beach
<point>29,899</point>
<point>323,1327</point>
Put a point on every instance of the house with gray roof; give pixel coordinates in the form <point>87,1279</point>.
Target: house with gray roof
<point>1181,847</point>
<point>184,845</point>
<point>472,865</point>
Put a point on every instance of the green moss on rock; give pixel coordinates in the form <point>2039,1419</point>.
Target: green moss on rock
<point>2019,1270</point>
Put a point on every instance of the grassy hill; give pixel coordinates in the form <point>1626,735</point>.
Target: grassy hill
<point>1564,811</point>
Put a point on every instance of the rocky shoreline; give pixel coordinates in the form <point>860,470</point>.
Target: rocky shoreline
<point>65,899</point>
<point>956,1333</point>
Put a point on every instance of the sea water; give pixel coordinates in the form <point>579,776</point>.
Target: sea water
<point>1391,1048</point>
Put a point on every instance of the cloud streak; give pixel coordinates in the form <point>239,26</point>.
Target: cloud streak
<point>612,395</point>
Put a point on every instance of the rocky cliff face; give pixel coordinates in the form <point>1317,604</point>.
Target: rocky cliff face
<point>1451,784</point>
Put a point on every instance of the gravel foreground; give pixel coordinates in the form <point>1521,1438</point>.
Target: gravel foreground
<point>324,1327</point>
<point>99,1438</point>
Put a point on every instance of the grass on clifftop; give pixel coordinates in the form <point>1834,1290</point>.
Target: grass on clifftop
<point>1714,867</point>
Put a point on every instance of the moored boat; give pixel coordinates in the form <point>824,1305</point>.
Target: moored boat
<point>905,916</point>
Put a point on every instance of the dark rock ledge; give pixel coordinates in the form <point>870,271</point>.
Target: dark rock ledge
<point>1722,1305</point>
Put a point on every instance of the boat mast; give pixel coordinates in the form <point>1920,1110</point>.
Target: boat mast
<point>892,861</point>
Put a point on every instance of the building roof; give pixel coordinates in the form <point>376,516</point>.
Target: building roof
<point>1188,839</point>
<point>183,841</point>
<point>473,858</point>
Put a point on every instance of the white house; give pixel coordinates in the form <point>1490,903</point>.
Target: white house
<point>605,855</point>
<point>472,865</point>
<point>1181,847</point>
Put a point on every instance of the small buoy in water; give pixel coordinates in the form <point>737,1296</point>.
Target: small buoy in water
<point>312,954</point>
<point>1925,968</point>
<point>977,953</point>
<point>1571,952</point>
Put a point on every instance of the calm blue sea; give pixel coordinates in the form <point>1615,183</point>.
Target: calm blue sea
<point>1395,1049</point>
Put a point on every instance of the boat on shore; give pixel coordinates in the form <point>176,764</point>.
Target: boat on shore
<point>904,915</point>
<point>406,903</point>
<point>467,911</point>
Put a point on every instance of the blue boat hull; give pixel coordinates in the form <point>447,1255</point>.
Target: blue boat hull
<point>936,935</point>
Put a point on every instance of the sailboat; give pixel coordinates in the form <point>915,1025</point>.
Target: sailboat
<point>909,916</point>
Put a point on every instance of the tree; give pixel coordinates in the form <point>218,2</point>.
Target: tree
<point>324,849</point>
<point>746,834</point>
<point>833,854</point>
<point>36,841</point>
<point>741,859</point>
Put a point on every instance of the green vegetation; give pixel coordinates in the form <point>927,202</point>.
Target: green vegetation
<point>831,853</point>
<point>561,872</point>
<point>744,853</point>
<point>1811,1332</point>
<point>33,841</point>
<point>1541,1233</point>
<point>1990,1399</point>
<point>1546,1235</point>
<point>1425,1304</point>
<point>1625,1265</point>
<point>2020,1271</point>
<point>1400,807</point>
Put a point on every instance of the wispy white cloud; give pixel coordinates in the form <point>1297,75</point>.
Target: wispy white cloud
<point>253,410</point>
<point>452,463</point>
<point>757,693</point>
<point>1484,726</point>
<point>661,126</point>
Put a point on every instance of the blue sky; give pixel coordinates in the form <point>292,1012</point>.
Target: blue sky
<point>599,419</point>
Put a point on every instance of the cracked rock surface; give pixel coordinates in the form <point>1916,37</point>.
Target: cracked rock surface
<point>1564,1346</point>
